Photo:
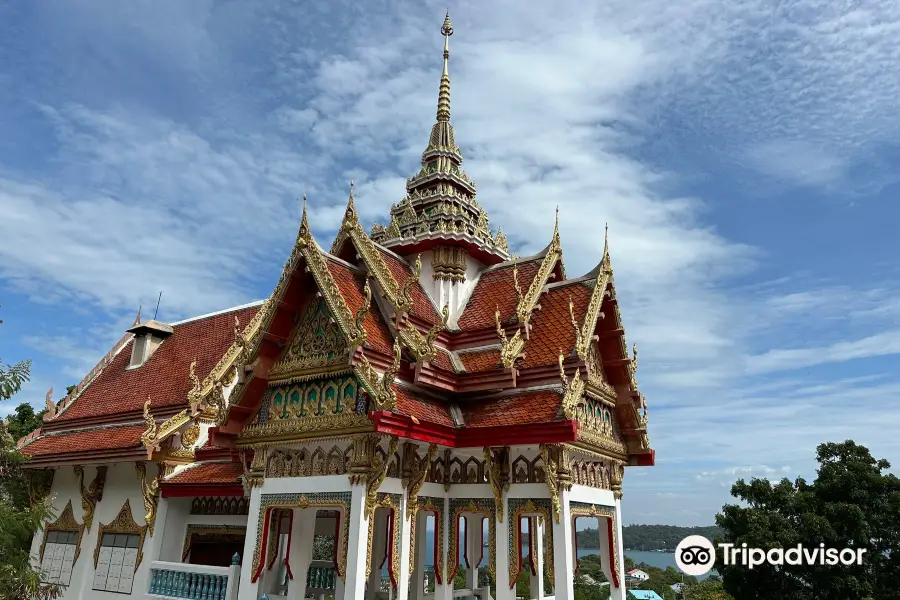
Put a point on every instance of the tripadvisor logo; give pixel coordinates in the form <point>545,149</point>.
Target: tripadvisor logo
<point>695,555</point>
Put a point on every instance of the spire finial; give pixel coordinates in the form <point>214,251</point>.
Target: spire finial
<point>556,225</point>
<point>304,222</point>
<point>606,244</point>
<point>443,112</point>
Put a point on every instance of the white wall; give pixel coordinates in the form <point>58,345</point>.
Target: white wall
<point>121,484</point>
<point>450,293</point>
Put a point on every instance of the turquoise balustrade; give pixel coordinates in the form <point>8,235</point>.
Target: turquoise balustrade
<point>320,578</point>
<point>194,582</point>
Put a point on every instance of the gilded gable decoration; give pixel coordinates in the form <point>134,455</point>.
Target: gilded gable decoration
<point>123,523</point>
<point>573,390</point>
<point>557,472</point>
<point>380,389</point>
<point>317,344</point>
<point>528,302</point>
<point>495,462</point>
<point>65,522</point>
<point>419,469</point>
<point>92,494</point>
<point>422,346</point>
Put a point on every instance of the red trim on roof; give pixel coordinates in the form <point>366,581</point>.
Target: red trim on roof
<point>473,437</point>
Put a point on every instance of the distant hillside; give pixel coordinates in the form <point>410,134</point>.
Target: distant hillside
<point>649,537</point>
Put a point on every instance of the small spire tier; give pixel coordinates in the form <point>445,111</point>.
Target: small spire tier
<point>440,208</point>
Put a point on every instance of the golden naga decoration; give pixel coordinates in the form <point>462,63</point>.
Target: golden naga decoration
<point>492,469</point>
<point>417,479</point>
<point>369,466</point>
<point>196,393</point>
<point>155,434</point>
<point>573,390</point>
<point>557,472</point>
<point>150,492</point>
<point>511,348</point>
<point>49,405</point>
<point>92,494</point>
<point>422,346</point>
<point>405,296</point>
<point>380,389</point>
<point>529,301</point>
<point>123,523</point>
<point>40,482</point>
<point>364,309</point>
<point>250,479</point>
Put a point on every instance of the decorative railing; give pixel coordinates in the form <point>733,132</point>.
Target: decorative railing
<point>320,577</point>
<point>195,582</point>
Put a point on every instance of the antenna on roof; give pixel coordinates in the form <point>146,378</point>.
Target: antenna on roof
<point>157,305</point>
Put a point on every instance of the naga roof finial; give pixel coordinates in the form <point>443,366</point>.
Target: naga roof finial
<point>304,222</point>
<point>443,111</point>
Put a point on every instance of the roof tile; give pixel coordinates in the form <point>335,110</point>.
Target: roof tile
<point>164,377</point>
<point>480,360</point>
<point>421,407</point>
<point>539,406</point>
<point>400,271</point>
<point>377,334</point>
<point>496,289</point>
<point>552,327</point>
<point>209,473</point>
<point>106,438</point>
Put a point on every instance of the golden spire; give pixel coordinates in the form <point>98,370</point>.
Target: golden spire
<point>556,227</point>
<point>605,259</point>
<point>443,111</point>
<point>304,232</point>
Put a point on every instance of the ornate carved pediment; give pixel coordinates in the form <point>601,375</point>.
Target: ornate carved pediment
<point>317,343</point>
<point>123,523</point>
<point>65,522</point>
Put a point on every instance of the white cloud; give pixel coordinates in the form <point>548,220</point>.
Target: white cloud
<point>197,195</point>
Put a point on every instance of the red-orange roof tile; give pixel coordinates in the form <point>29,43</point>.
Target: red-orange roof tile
<point>496,289</point>
<point>422,407</point>
<point>552,325</point>
<point>480,360</point>
<point>164,377</point>
<point>539,406</point>
<point>105,438</point>
<point>377,334</point>
<point>421,306</point>
<point>209,473</point>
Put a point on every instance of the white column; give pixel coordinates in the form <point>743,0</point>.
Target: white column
<point>405,526</point>
<point>474,548</point>
<point>501,550</point>
<point>620,550</point>
<point>444,591</point>
<point>378,554</point>
<point>537,581</point>
<point>563,556</point>
<point>418,584</point>
<point>355,577</point>
<point>248,590</point>
<point>300,553</point>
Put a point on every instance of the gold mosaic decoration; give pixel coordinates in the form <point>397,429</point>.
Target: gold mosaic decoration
<point>557,472</point>
<point>155,434</point>
<point>66,523</point>
<point>478,506</point>
<point>518,509</point>
<point>339,501</point>
<point>492,464</point>
<point>391,502</point>
<point>422,346</point>
<point>380,389</point>
<point>318,343</point>
<point>302,463</point>
<point>123,523</point>
<point>92,494</point>
<point>582,509</point>
<point>436,506</point>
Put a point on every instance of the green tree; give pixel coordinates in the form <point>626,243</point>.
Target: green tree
<point>19,518</point>
<point>708,589</point>
<point>853,503</point>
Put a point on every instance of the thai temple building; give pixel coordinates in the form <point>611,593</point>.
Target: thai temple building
<point>412,413</point>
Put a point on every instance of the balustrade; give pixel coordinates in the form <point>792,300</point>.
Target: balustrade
<point>195,582</point>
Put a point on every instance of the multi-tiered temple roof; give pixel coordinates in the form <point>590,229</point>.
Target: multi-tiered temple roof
<point>426,329</point>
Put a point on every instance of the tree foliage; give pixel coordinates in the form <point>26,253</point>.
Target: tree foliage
<point>648,537</point>
<point>19,518</point>
<point>853,503</point>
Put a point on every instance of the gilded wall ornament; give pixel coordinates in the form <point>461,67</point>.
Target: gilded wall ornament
<point>520,508</point>
<point>436,507</point>
<point>493,461</point>
<point>190,435</point>
<point>477,506</point>
<point>601,513</point>
<point>150,492</point>
<point>557,472</point>
<point>573,390</point>
<point>40,482</point>
<point>65,522</point>
<point>92,494</point>
<point>123,523</point>
<point>317,342</point>
<point>417,479</point>
<point>380,388</point>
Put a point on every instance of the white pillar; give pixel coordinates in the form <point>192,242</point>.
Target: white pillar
<point>378,553</point>
<point>300,553</point>
<point>418,583</point>
<point>563,559</point>
<point>248,589</point>
<point>355,577</point>
<point>620,550</point>
<point>405,526</point>
<point>501,551</point>
<point>474,548</point>
<point>444,590</point>
<point>537,581</point>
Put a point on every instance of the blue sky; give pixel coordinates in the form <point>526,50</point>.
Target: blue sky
<point>744,156</point>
